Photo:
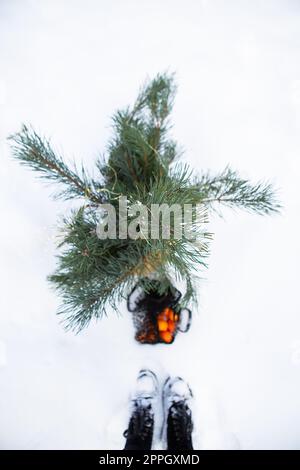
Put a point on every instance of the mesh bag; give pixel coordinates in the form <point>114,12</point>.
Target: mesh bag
<point>157,318</point>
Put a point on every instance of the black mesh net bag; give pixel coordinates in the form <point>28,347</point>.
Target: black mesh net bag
<point>157,318</point>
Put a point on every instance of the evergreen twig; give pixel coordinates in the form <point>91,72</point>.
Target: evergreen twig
<point>229,189</point>
<point>35,152</point>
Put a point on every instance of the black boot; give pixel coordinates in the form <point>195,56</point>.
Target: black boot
<point>178,397</point>
<point>179,427</point>
<point>140,430</point>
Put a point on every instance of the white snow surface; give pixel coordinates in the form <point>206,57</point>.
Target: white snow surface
<point>65,67</point>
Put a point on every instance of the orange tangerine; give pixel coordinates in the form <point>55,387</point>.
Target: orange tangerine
<point>171,315</point>
<point>162,315</point>
<point>171,326</point>
<point>162,325</point>
<point>166,336</point>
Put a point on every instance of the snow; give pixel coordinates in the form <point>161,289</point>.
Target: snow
<point>65,67</point>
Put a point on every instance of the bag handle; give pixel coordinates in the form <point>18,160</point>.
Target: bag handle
<point>189,320</point>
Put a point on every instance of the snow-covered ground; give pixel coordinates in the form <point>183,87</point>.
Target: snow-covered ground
<point>65,66</point>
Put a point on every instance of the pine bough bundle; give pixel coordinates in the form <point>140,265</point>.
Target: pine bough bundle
<point>142,165</point>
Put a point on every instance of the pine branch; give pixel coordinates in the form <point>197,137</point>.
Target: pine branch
<point>140,148</point>
<point>93,274</point>
<point>156,97</point>
<point>229,189</point>
<point>36,153</point>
